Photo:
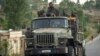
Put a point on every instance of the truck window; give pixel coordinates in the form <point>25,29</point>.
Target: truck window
<point>50,23</point>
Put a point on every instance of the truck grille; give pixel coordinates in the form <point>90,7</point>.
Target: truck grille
<point>44,39</point>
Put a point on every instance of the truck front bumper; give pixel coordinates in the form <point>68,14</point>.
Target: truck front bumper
<point>38,51</point>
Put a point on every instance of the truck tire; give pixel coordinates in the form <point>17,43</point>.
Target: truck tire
<point>84,54</point>
<point>80,51</point>
<point>71,51</point>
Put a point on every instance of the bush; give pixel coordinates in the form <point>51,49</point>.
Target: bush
<point>97,26</point>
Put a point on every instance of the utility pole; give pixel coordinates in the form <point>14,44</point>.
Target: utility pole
<point>54,1</point>
<point>0,43</point>
<point>31,9</point>
<point>78,1</point>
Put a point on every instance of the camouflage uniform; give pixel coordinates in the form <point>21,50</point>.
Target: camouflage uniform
<point>28,33</point>
<point>52,11</point>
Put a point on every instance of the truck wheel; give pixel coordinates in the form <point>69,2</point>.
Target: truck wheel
<point>80,52</point>
<point>84,54</point>
<point>71,51</point>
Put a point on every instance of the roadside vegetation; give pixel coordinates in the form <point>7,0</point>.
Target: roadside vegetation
<point>4,47</point>
<point>18,14</point>
<point>97,26</point>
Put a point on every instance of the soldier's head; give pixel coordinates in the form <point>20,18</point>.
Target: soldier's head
<point>51,4</point>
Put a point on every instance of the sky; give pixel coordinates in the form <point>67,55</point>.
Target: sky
<point>81,1</point>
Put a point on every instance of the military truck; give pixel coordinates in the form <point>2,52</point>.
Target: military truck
<point>53,36</point>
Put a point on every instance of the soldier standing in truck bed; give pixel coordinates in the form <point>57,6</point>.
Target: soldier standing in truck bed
<point>52,11</point>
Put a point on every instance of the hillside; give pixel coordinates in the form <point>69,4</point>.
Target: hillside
<point>94,17</point>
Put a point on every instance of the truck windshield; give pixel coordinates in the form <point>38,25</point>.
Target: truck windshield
<point>50,23</point>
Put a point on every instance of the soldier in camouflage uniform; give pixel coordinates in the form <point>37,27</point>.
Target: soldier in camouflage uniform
<point>52,11</point>
<point>28,33</point>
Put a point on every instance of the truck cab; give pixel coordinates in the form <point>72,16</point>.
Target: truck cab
<point>51,36</point>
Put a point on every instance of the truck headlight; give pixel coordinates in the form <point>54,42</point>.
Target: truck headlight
<point>61,43</point>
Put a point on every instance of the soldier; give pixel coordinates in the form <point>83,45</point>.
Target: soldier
<point>42,12</point>
<point>52,11</point>
<point>28,33</point>
<point>73,23</point>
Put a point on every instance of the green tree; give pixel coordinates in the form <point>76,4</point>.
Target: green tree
<point>46,1</point>
<point>3,23</point>
<point>64,7</point>
<point>97,4</point>
<point>54,1</point>
<point>70,7</point>
<point>4,47</point>
<point>97,26</point>
<point>37,4</point>
<point>15,11</point>
<point>89,5</point>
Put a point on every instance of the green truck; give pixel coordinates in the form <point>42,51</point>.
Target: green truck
<point>54,36</point>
